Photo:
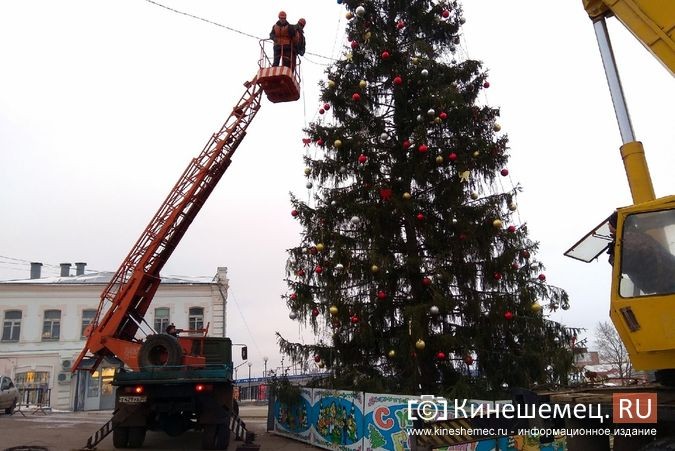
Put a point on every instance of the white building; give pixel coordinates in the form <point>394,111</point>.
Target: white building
<point>44,320</point>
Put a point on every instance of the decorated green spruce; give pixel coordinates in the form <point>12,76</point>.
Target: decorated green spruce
<point>412,269</point>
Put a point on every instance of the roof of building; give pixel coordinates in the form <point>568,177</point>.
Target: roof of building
<point>104,277</point>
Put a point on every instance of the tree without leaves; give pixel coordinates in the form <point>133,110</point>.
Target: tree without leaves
<point>405,270</point>
<point>611,350</point>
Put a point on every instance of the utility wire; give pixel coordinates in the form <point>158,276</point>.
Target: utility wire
<point>192,16</point>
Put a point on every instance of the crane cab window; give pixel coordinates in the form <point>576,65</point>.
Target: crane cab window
<point>648,254</point>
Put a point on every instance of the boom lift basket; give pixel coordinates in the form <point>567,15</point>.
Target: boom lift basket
<point>280,83</point>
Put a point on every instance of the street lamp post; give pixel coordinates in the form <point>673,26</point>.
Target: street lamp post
<point>250,395</point>
<point>265,371</point>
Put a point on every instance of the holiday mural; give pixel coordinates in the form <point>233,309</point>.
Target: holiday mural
<point>294,421</point>
<point>346,420</point>
<point>339,419</point>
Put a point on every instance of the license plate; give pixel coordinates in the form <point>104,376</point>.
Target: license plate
<point>132,399</point>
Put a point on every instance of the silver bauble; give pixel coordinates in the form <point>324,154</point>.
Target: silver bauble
<point>360,11</point>
<point>434,310</point>
<point>339,267</point>
<point>431,112</point>
<point>355,219</point>
<point>292,315</point>
<point>425,73</point>
<point>309,185</point>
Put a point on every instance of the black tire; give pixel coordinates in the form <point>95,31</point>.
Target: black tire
<point>216,436</point>
<point>663,444</point>
<point>120,437</point>
<point>136,437</point>
<point>160,351</point>
<point>10,410</point>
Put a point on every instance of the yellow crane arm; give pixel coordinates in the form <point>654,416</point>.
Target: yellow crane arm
<point>652,22</point>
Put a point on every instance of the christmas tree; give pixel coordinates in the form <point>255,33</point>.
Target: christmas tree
<point>411,270</point>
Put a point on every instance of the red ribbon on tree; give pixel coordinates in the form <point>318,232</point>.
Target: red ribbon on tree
<point>306,141</point>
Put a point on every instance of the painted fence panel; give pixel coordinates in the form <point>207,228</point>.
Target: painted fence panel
<point>346,421</point>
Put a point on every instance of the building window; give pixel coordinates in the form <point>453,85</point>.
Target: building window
<point>161,319</point>
<point>11,328</point>
<point>51,327</point>
<point>87,317</point>
<point>196,318</point>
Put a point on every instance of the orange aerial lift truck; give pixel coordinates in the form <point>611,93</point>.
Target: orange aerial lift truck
<point>641,240</point>
<point>175,383</point>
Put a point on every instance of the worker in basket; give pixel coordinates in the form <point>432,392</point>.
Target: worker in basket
<point>283,34</point>
<point>299,39</point>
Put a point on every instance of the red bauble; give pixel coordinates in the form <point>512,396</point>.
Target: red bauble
<point>294,213</point>
<point>313,250</point>
<point>497,276</point>
<point>317,358</point>
<point>486,84</point>
<point>443,115</point>
<point>542,277</point>
<point>398,80</point>
<point>512,229</point>
<point>400,24</point>
<point>300,272</point>
<point>362,158</point>
<point>452,156</point>
<point>385,55</point>
<point>386,193</point>
<point>468,360</point>
<point>423,148</point>
<point>355,44</point>
<point>406,144</point>
<point>321,111</point>
<point>356,97</point>
<point>326,106</point>
<point>426,281</point>
<point>315,311</point>
<point>420,217</point>
<point>440,355</point>
<point>319,142</point>
<point>354,319</point>
<point>293,296</point>
<point>381,295</point>
<point>508,315</point>
<point>515,265</point>
<point>525,253</point>
<point>504,172</point>
<point>318,269</point>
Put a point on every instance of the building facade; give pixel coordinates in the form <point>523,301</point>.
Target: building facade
<point>43,324</point>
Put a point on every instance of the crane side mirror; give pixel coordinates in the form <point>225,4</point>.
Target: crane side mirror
<point>244,353</point>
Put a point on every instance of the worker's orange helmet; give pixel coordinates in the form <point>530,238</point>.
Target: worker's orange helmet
<point>302,22</point>
<point>282,15</point>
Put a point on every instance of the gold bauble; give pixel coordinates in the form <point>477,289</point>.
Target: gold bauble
<point>474,195</point>
<point>496,127</point>
<point>406,196</point>
<point>536,307</point>
<point>333,310</point>
<point>337,143</point>
<point>415,60</point>
<point>439,159</point>
<point>320,247</point>
<point>374,268</point>
<point>437,120</point>
<point>391,354</point>
<point>363,84</point>
<point>420,344</point>
<point>308,171</point>
<point>331,84</point>
<point>321,364</point>
<point>349,15</point>
<point>513,206</point>
<point>497,223</point>
<point>476,153</point>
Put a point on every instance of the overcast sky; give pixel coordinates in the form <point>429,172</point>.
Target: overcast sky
<point>104,103</point>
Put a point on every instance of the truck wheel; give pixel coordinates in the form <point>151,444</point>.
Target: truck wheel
<point>216,436</point>
<point>120,437</point>
<point>160,351</point>
<point>664,444</point>
<point>136,437</point>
